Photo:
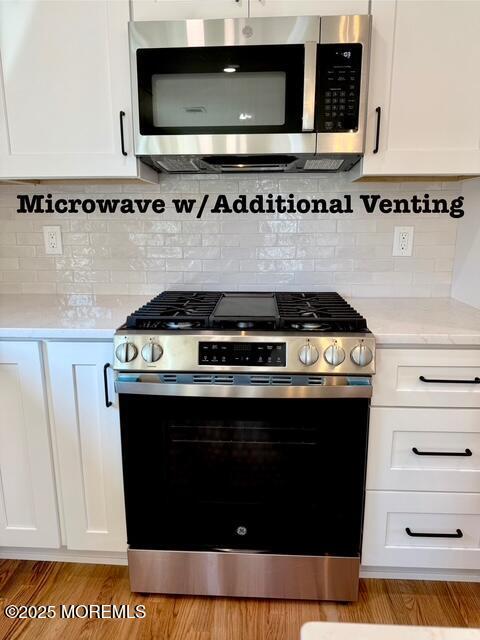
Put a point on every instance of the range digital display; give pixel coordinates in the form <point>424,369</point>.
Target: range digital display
<point>243,354</point>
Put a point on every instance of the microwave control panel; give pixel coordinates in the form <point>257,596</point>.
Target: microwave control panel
<point>338,87</point>
<point>243,354</point>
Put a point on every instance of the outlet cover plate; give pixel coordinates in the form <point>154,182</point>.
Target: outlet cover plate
<point>52,238</point>
<point>403,241</point>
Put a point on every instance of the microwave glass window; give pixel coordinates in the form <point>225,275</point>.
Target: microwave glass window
<point>225,99</point>
<point>206,90</point>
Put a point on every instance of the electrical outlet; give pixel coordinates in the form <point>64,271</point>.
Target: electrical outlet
<point>402,241</point>
<point>52,237</point>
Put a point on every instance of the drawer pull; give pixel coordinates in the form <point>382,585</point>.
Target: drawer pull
<point>474,381</point>
<point>412,534</point>
<point>463,454</point>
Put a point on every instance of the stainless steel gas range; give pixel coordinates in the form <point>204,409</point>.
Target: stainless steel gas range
<point>244,420</point>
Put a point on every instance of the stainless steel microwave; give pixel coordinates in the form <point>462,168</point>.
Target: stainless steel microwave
<point>260,94</point>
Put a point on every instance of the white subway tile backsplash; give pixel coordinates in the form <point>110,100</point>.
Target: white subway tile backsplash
<point>145,253</point>
<point>265,253</point>
<point>14,251</point>
<point>127,277</point>
<point>7,239</point>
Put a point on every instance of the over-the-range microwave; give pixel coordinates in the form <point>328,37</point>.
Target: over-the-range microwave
<point>260,94</point>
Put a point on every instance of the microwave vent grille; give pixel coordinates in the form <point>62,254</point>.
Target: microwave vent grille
<point>177,165</point>
<point>323,164</point>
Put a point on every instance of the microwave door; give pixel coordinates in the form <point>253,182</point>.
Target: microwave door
<point>226,90</point>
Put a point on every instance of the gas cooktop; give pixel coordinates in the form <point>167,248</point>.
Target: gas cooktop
<point>245,332</point>
<point>187,310</point>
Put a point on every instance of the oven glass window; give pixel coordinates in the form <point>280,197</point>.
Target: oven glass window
<point>221,89</point>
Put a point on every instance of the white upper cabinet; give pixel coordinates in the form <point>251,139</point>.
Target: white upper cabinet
<point>264,8</point>
<point>188,9</point>
<point>28,503</point>
<point>87,433</point>
<point>424,88</point>
<point>65,80</point>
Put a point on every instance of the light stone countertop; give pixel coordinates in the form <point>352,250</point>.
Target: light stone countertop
<point>349,631</point>
<point>394,321</point>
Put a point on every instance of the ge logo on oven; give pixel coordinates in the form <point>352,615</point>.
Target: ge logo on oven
<point>241,531</point>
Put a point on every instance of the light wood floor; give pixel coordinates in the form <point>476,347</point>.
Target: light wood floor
<point>184,618</point>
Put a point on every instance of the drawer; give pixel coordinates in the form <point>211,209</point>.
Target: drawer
<point>435,516</point>
<point>411,449</point>
<point>449,375</point>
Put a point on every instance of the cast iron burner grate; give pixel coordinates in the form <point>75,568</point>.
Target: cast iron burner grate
<point>318,312</point>
<point>176,310</point>
<point>184,310</point>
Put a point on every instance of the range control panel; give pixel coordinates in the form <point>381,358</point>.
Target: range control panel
<point>338,82</point>
<point>243,354</point>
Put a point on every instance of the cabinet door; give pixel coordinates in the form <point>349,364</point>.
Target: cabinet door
<point>424,78</point>
<point>188,9</point>
<point>65,78</point>
<point>28,507</point>
<point>88,442</point>
<point>264,8</point>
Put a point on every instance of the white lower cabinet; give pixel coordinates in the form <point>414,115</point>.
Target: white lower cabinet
<point>414,449</point>
<point>87,435</point>
<point>424,530</point>
<point>427,378</point>
<point>423,475</point>
<point>28,510</point>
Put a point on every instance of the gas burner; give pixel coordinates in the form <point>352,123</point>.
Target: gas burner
<point>179,326</point>
<point>245,325</point>
<point>313,314</point>
<point>310,326</point>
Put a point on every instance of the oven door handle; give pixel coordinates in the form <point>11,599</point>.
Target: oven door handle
<point>242,391</point>
<point>309,86</point>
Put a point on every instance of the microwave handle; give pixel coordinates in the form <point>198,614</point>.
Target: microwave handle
<point>309,86</point>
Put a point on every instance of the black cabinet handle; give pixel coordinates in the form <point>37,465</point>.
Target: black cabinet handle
<point>463,454</point>
<point>122,138</point>
<point>108,402</point>
<point>377,135</point>
<point>474,381</point>
<point>412,534</point>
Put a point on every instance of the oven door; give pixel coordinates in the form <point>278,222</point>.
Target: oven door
<point>268,470</point>
<point>216,87</point>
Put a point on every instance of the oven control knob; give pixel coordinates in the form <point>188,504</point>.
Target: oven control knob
<point>361,355</point>
<point>334,355</point>
<point>308,354</point>
<point>126,352</point>
<point>151,352</point>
